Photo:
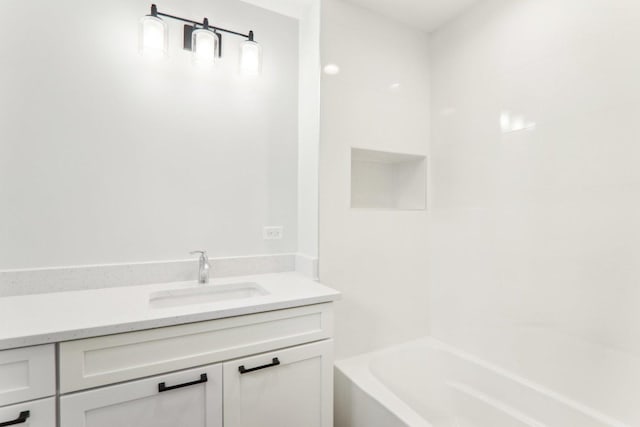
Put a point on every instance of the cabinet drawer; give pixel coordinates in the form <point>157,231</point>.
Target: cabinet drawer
<point>39,413</point>
<point>292,387</point>
<point>27,374</point>
<point>106,360</point>
<point>190,398</point>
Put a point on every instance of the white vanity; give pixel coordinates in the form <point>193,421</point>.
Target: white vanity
<point>158,356</point>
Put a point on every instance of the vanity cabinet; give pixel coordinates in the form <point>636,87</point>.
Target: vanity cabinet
<point>286,388</point>
<point>100,361</point>
<point>191,398</point>
<point>37,413</point>
<point>269,369</point>
<point>27,384</point>
<point>27,373</point>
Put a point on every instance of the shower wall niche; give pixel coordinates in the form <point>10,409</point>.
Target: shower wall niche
<point>390,181</point>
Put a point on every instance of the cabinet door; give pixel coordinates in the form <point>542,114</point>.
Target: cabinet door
<point>190,398</point>
<point>287,388</point>
<point>27,373</point>
<point>39,413</point>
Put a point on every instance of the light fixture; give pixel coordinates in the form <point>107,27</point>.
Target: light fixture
<point>250,57</point>
<point>204,45</point>
<point>154,35</point>
<point>202,39</point>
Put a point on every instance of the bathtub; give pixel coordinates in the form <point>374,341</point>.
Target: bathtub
<point>427,383</point>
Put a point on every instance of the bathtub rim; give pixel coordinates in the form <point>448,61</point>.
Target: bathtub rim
<point>358,370</point>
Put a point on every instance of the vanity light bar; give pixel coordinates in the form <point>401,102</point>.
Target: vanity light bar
<point>201,38</point>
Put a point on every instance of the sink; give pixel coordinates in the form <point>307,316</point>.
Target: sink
<point>204,294</point>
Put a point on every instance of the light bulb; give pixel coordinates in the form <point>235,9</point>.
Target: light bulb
<point>250,58</point>
<point>204,43</point>
<point>154,40</point>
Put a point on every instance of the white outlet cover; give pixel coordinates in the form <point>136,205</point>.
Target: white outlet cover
<point>273,233</point>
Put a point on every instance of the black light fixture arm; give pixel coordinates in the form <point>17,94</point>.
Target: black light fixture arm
<point>204,24</point>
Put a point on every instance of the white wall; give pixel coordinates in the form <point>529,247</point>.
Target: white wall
<point>309,144</point>
<point>307,12</point>
<point>534,234</point>
<point>376,258</point>
<point>106,157</point>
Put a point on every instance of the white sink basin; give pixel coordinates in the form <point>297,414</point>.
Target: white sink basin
<point>204,294</point>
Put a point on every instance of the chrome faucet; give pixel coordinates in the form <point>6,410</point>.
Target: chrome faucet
<point>203,267</point>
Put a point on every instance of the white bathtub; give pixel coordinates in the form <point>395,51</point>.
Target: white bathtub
<point>429,384</point>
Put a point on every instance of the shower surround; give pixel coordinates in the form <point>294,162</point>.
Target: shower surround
<point>535,215</point>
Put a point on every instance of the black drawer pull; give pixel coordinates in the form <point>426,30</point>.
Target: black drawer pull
<point>22,418</point>
<point>244,370</point>
<point>162,387</point>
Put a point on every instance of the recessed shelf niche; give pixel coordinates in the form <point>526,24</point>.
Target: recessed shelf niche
<point>384,180</point>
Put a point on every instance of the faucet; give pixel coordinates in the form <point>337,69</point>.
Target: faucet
<point>203,267</point>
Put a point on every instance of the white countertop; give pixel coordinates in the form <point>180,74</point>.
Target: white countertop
<point>63,316</point>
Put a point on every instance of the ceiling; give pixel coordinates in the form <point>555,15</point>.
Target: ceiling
<point>427,15</point>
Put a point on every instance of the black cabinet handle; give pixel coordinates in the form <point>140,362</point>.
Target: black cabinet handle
<point>22,418</point>
<point>244,370</point>
<point>162,387</point>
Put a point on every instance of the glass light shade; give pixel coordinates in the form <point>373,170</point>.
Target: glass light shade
<point>154,37</point>
<point>250,58</point>
<point>205,46</point>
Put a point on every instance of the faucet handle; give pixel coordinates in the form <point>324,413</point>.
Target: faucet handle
<point>203,254</point>
<point>203,266</point>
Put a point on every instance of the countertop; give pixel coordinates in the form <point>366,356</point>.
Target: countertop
<point>63,316</point>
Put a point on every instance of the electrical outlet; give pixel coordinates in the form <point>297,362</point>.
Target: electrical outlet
<point>272,233</point>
